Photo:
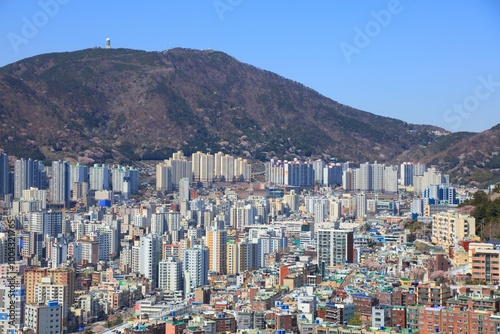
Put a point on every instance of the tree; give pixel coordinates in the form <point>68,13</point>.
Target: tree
<point>355,320</point>
<point>364,227</point>
<point>417,273</point>
<point>372,264</point>
<point>441,276</point>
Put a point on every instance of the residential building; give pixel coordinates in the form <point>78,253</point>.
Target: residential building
<point>335,247</point>
<point>44,318</point>
<point>448,228</point>
<point>170,274</point>
<point>484,262</point>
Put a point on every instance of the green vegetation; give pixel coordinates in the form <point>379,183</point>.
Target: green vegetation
<point>494,162</point>
<point>159,154</point>
<point>355,320</point>
<point>115,321</point>
<point>486,212</point>
<point>19,150</point>
<point>127,149</point>
<point>414,225</point>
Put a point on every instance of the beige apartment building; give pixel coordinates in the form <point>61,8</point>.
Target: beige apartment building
<point>448,228</point>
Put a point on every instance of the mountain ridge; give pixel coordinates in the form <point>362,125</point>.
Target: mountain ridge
<point>125,105</point>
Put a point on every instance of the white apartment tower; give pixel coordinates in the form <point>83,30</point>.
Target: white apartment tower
<point>59,183</point>
<point>228,168</point>
<point>150,254</point>
<point>195,265</point>
<point>99,177</point>
<point>163,177</point>
<point>390,179</point>
<point>170,274</point>
<point>335,247</point>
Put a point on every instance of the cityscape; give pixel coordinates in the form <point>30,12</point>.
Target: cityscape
<point>250,167</point>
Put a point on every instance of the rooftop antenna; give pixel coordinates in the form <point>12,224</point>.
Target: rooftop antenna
<point>108,43</point>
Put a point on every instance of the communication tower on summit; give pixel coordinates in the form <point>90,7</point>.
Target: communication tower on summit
<point>108,43</point>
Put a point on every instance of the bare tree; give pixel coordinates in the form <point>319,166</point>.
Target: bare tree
<point>417,273</point>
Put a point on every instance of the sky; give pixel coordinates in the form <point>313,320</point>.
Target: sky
<point>421,61</point>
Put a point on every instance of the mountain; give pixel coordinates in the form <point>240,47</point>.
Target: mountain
<point>470,158</point>
<point>124,105</point>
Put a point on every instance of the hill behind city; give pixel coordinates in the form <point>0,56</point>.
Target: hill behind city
<point>124,105</point>
<point>131,104</point>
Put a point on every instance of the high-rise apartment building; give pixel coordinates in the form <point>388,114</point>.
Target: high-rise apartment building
<point>292,173</point>
<point>267,244</point>
<point>46,223</point>
<point>195,265</point>
<point>242,170</point>
<point>390,179</point>
<point>363,177</point>
<point>216,242</point>
<point>207,168</point>
<point>99,177</point>
<point>361,205</point>
<point>163,177</point>
<point>170,274</point>
<point>332,174</point>
<point>59,191</point>
<point>4,174</point>
<point>292,200</point>
<point>298,173</point>
<point>240,256</point>
<point>368,177</point>
<point>407,172</point>
<point>335,247</point>
<point>150,255</point>
<point>448,228</point>
<point>27,174</point>
<point>184,191</point>
<point>318,166</point>
<point>429,177</point>
<point>125,180</point>
<point>228,167</point>
<point>35,196</point>
<point>196,163</point>
<point>171,171</point>
<point>377,177</point>
<point>348,182</point>
<point>79,173</point>
<point>218,165</point>
<point>274,172</point>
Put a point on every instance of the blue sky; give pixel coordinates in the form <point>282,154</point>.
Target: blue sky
<point>422,61</point>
